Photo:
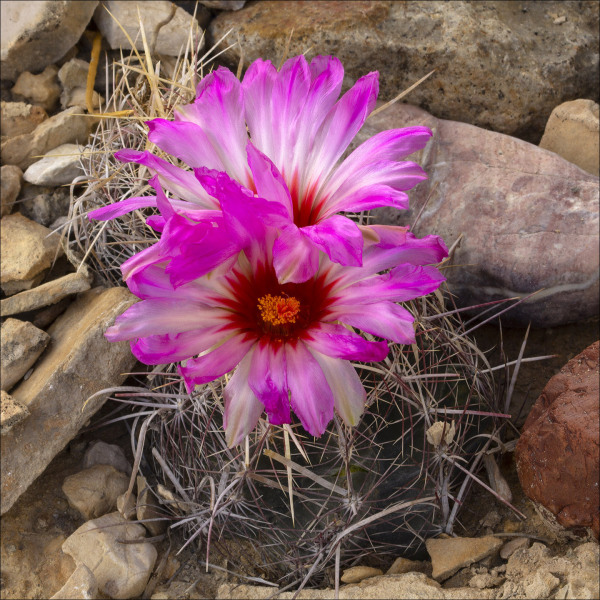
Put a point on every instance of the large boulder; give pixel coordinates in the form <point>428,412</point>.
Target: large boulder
<point>499,65</point>
<point>37,34</point>
<point>79,362</point>
<point>529,218</point>
<point>558,455</point>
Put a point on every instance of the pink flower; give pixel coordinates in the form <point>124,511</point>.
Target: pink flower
<point>290,343</point>
<point>281,134</point>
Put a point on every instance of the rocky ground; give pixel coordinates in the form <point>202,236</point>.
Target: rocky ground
<point>513,182</point>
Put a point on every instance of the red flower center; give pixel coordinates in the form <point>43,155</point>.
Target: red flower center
<point>278,310</point>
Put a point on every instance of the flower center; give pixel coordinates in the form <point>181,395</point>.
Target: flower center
<point>279,310</point>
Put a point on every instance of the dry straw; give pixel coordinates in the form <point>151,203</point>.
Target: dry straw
<point>308,506</point>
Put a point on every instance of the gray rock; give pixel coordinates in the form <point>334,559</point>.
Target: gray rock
<point>19,118</point>
<point>448,555</point>
<point>101,453</point>
<point>28,249</point>
<point>58,167</point>
<point>45,208</point>
<point>80,585</point>
<point>68,126</point>
<point>224,4</point>
<point>498,65</point>
<point>94,491</point>
<point>79,363</point>
<point>166,26</point>
<point>572,132</point>
<point>46,294</point>
<point>41,34</point>
<point>11,412</point>
<point>121,570</point>
<point>10,178</point>
<point>73,78</point>
<point>529,218</point>
<point>42,90</point>
<point>21,345</point>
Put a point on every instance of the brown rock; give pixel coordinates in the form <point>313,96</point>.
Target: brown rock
<point>40,34</point>
<point>558,455</point>
<point>68,126</point>
<point>478,51</point>
<point>448,555</point>
<point>79,363</point>
<point>358,573</point>
<point>405,565</point>
<point>81,585</point>
<point>21,345</point>
<point>224,4</point>
<point>46,294</point>
<point>19,118</point>
<point>495,190</point>
<point>572,132</point>
<point>148,509</point>
<point>513,545</point>
<point>94,491</point>
<point>121,570</point>
<point>11,186</point>
<point>28,249</point>
<point>42,89</point>
<point>11,412</point>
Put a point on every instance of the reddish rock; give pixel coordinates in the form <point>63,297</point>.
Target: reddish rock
<point>558,453</point>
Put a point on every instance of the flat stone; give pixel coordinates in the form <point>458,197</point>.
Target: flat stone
<point>19,118</point>
<point>405,565</point>
<point>94,491</point>
<point>448,555</point>
<point>46,294</point>
<point>572,132</point>
<point>166,26</point>
<point>496,66</point>
<point>58,167</point>
<point>73,78</point>
<point>494,190</point>
<point>101,453</point>
<point>79,362</point>
<point>11,177</point>
<point>42,90</point>
<point>81,585</point>
<point>40,35</point>
<point>66,127</point>
<point>11,412</point>
<point>513,545</point>
<point>121,570</point>
<point>21,345</point>
<point>416,586</point>
<point>28,249</point>
<point>558,453</point>
<point>358,573</point>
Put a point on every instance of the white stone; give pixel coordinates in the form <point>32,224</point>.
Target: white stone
<point>58,167</point>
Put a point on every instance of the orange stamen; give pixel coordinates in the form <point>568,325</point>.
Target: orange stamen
<point>278,310</point>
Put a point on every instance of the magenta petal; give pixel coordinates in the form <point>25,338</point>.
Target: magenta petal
<point>145,257</point>
<point>339,342</point>
<point>118,209</point>
<point>311,397</point>
<point>348,392</point>
<point>339,237</point>
<point>242,408</point>
<point>161,316</point>
<point>295,258</point>
<point>179,182</point>
<point>384,319</point>
<point>268,180</point>
<point>402,283</point>
<point>186,141</point>
<point>154,282</point>
<point>169,348</point>
<point>268,381</point>
<point>216,363</point>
